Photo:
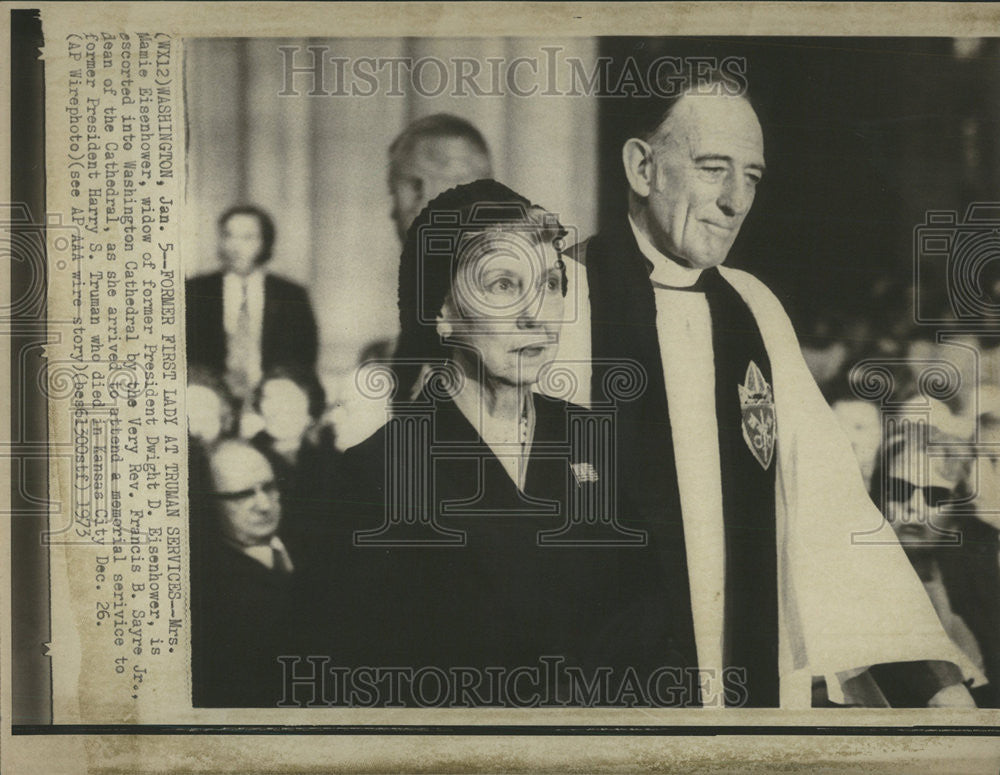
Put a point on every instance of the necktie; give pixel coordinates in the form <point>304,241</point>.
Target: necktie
<point>240,350</point>
<point>281,562</point>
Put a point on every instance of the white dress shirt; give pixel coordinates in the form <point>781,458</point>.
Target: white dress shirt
<point>684,330</point>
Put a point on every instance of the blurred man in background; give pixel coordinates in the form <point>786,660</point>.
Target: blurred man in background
<point>431,155</point>
<point>244,320</point>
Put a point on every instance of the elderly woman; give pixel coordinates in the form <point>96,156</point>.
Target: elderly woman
<point>488,307</point>
<point>479,535</point>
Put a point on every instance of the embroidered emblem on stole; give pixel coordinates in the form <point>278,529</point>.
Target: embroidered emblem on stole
<point>757,403</point>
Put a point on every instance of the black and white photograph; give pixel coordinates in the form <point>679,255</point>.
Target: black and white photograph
<point>594,372</point>
<point>528,388</point>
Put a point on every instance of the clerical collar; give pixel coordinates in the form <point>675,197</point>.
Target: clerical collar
<point>665,272</point>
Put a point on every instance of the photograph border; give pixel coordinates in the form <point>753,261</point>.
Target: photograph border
<point>27,185</point>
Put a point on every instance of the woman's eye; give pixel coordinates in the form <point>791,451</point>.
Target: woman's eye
<point>553,284</point>
<point>502,285</point>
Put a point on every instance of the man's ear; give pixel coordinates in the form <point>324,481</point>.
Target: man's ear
<point>637,156</point>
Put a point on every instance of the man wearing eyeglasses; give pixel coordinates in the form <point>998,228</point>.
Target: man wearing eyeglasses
<point>242,582</point>
<point>249,508</point>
